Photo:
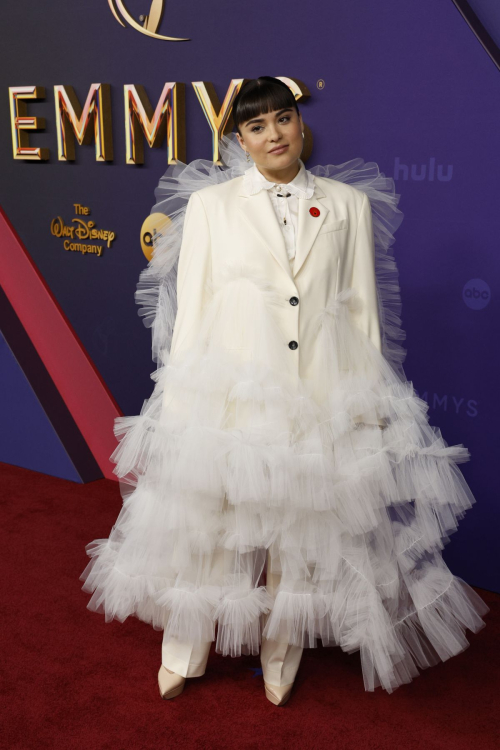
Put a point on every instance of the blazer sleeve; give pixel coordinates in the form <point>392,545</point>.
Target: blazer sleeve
<point>193,272</point>
<point>364,279</point>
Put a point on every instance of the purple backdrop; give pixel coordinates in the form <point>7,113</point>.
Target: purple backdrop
<point>407,85</point>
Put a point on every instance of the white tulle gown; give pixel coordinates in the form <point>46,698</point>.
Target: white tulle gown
<point>352,516</point>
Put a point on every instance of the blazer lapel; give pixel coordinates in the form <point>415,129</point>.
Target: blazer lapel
<point>258,214</point>
<point>308,226</point>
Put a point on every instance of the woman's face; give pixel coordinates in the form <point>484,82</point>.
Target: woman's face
<point>261,135</point>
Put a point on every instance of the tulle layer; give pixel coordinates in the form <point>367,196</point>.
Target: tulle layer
<point>341,485</point>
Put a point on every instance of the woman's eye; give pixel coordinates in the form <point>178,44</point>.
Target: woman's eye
<point>256,127</point>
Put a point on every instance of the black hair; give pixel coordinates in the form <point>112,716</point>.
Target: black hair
<point>260,96</point>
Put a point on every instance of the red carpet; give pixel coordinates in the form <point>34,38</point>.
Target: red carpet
<point>72,681</point>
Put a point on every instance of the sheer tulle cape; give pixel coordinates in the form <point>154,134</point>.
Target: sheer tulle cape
<point>232,460</point>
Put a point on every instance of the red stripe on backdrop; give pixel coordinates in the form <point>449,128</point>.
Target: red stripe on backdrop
<point>74,374</point>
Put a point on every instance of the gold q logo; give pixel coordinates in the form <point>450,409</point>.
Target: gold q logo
<point>150,22</point>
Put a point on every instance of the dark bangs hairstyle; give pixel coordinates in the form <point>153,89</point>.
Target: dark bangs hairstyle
<point>259,96</point>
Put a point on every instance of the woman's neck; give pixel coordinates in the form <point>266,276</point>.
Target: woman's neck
<point>281,176</point>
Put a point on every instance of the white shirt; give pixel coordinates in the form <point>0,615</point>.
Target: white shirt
<point>286,208</point>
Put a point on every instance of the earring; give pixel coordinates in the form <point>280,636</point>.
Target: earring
<point>303,136</point>
<point>248,154</point>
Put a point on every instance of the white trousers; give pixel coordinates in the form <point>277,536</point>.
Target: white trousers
<point>280,661</point>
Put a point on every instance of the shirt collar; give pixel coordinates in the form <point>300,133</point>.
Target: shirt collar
<point>302,184</point>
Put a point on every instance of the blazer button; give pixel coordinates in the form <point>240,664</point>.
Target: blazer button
<point>294,300</point>
<point>293,345</point>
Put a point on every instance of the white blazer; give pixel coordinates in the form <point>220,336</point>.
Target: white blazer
<point>334,251</point>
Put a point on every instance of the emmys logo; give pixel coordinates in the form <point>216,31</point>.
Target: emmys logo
<point>449,403</point>
<point>150,22</point>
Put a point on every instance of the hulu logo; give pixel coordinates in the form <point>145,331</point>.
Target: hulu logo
<point>422,172</point>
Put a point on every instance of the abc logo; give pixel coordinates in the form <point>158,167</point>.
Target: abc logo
<point>476,294</point>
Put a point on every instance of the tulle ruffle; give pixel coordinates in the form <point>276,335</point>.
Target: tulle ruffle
<point>233,459</point>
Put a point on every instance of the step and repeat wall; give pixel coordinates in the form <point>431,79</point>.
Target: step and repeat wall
<point>98,98</point>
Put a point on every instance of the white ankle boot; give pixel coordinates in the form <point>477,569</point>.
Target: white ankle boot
<point>170,683</point>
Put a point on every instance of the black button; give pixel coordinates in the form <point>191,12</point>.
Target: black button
<point>294,300</point>
<point>293,345</point>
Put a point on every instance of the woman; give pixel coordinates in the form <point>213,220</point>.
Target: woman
<point>282,437</point>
